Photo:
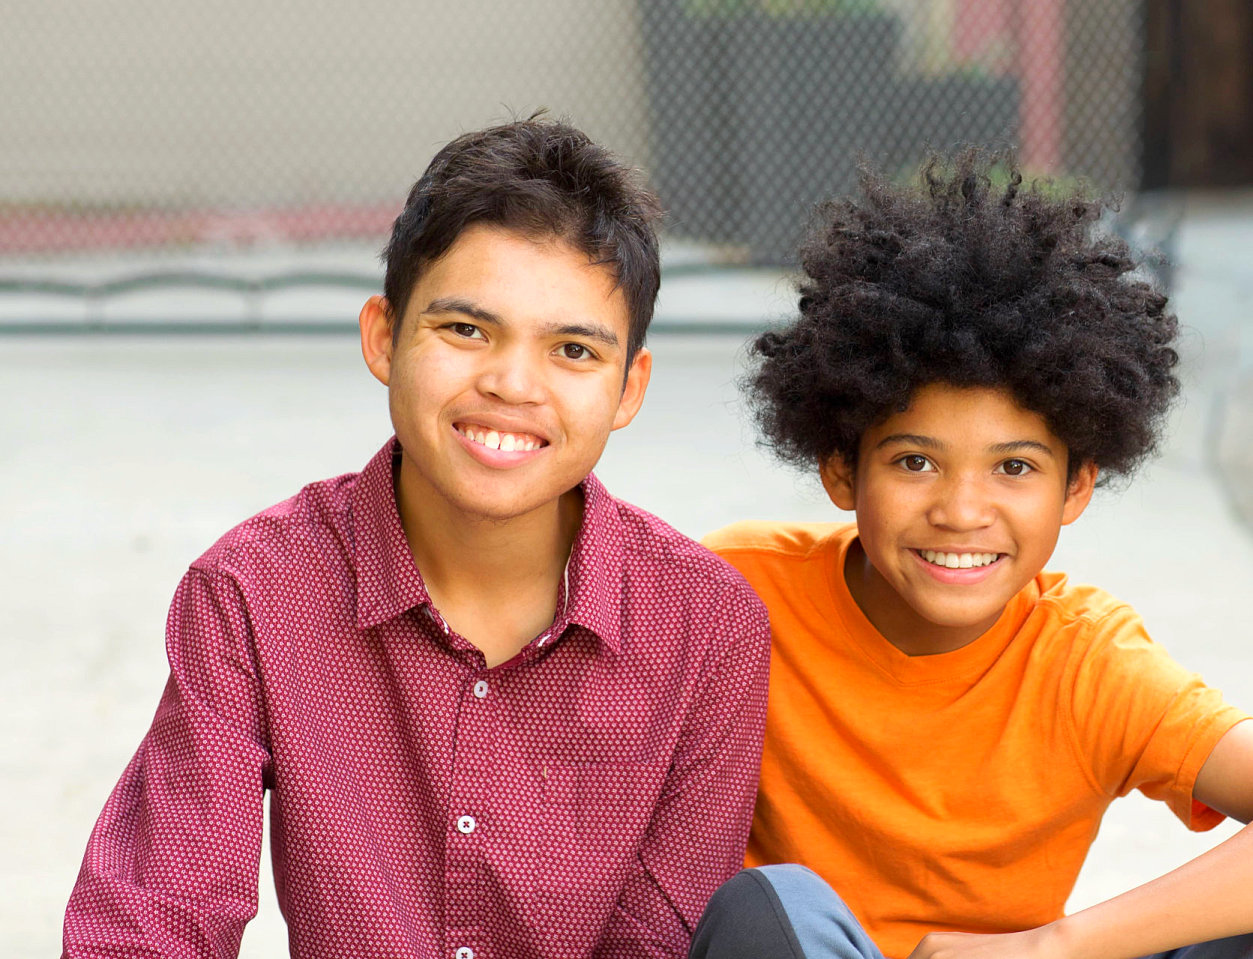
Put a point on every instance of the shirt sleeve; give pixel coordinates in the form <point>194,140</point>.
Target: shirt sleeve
<point>171,866</point>
<point>1144,722</point>
<point>700,825</point>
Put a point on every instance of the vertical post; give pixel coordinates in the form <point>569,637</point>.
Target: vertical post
<point>1041,55</point>
<point>1198,94</point>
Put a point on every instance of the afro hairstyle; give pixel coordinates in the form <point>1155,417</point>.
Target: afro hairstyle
<point>972,279</point>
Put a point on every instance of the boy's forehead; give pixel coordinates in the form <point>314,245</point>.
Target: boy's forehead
<point>481,247</point>
<point>500,276</point>
<point>944,415</point>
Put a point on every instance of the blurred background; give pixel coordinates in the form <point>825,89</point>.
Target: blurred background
<point>193,197</point>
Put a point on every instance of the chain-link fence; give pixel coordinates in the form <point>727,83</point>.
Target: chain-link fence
<point>145,128</point>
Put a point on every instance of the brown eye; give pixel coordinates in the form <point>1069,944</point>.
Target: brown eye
<point>1015,468</point>
<point>574,351</point>
<point>915,463</point>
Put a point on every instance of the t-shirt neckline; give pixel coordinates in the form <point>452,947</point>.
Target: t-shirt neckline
<point>968,662</point>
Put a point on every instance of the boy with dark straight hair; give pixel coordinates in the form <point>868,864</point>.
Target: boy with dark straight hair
<point>947,721</point>
<point>499,713</point>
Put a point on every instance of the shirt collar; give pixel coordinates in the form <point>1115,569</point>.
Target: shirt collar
<point>594,599</point>
<point>389,583</point>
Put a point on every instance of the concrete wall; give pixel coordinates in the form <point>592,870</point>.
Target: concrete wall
<point>234,103</point>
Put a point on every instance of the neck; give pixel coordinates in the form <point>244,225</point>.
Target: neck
<point>468,555</point>
<point>494,581</point>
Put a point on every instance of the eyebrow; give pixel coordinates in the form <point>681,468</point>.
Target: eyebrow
<point>998,449</point>
<point>454,304</point>
<point>911,439</point>
<point>585,330</point>
<point>1020,446</point>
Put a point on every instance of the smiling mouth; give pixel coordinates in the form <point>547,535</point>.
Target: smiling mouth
<point>500,440</point>
<point>958,560</point>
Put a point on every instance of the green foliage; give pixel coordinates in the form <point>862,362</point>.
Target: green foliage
<point>1056,186</point>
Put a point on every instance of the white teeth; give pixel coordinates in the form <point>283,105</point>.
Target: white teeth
<point>959,560</point>
<point>506,442</point>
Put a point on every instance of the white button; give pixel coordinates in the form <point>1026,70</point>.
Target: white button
<point>480,689</point>
<point>465,952</point>
<point>466,824</point>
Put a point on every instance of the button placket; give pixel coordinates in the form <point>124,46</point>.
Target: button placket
<point>469,809</point>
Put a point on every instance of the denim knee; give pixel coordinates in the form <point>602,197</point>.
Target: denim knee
<point>744,919</point>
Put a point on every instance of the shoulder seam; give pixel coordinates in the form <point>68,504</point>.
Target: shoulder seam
<point>259,534</point>
<point>1078,651</point>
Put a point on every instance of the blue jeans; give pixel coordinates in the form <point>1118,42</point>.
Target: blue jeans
<point>789,912</point>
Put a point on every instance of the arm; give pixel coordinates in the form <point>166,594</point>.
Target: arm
<point>171,866</point>
<point>700,824</point>
<point>1207,898</point>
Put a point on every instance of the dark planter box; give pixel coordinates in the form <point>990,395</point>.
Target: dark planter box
<point>755,118</point>
<point>810,99</point>
<point>686,69</point>
<point>947,111</point>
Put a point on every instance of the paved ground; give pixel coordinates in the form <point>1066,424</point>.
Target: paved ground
<point>126,456</point>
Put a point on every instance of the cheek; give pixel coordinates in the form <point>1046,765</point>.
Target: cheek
<point>422,382</point>
<point>1043,537</point>
<point>875,532</point>
<point>401,396</point>
<point>592,408</point>
<point>890,507</point>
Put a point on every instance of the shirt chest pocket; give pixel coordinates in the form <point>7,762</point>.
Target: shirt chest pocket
<point>594,817</point>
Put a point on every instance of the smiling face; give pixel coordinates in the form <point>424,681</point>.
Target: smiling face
<point>959,501</point>
<point>507,376</point>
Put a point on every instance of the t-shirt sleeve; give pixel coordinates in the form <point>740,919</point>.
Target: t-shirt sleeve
<point>1141,720</point>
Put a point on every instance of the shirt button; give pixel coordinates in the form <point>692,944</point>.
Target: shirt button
<point>465,952</point>
<point>466,825</point>
<point>480,689</point>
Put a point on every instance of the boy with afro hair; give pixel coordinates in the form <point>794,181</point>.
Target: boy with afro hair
<point>948,721</point>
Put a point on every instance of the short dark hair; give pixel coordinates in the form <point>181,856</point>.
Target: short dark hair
<point>967,278</point>
<point>543,178</point>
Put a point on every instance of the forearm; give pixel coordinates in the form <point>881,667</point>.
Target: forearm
<point>1207,898</point>
<point>171,867</point>
<point>701,820</point>
<point>164,875</point>
<point>643,925</point>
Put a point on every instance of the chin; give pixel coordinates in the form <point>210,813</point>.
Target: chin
<point>495,511</point>
<point>965,621</point>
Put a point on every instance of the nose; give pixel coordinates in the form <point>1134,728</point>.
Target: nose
<point>513,376</point>
<point>961,503</point>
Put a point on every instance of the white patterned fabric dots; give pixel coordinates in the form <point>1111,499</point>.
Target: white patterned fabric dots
<point>583,799</point>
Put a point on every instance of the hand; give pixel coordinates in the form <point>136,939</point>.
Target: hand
<point>1031,944</point>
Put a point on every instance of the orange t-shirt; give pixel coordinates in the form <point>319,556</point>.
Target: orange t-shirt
<point>959,791</point>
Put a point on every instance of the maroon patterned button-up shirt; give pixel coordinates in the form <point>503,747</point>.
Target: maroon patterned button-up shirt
<point>583,799</point>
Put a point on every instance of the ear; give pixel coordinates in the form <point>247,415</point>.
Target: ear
<point>375,321</point>
<point>1079,493</point>
<point>837,480</point>
<point>633,390</point>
